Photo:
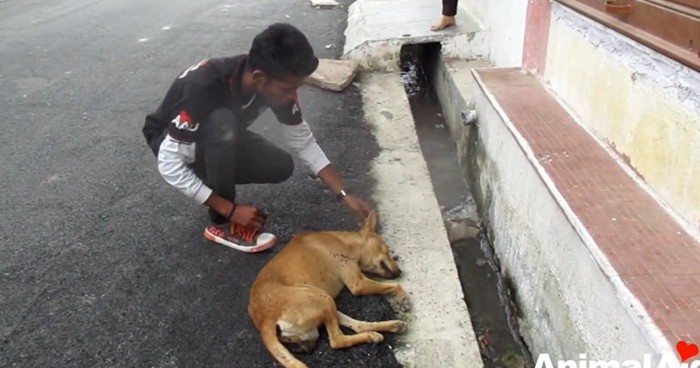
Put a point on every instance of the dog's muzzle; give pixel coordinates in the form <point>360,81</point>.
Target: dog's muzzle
<point>389,271</point>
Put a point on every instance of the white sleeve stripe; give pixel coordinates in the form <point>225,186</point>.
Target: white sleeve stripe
<point>301,140</point>
<point>173,158</point>
<point>314,157</point>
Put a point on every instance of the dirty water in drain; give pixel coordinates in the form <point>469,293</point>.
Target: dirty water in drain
<point>487,293</point>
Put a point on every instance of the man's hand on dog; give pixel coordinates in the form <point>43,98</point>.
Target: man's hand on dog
<point>249,216</point>
<point>357,206</point>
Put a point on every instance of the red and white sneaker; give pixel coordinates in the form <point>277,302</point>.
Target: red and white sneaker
<point>239,237</point>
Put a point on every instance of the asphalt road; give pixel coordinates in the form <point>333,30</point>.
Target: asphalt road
<point>101,263</point>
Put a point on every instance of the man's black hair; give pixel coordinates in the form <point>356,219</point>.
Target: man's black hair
<point>282,51</point>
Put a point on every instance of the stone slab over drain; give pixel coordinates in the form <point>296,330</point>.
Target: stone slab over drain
<point>376,31</point>
<point>334,75</point>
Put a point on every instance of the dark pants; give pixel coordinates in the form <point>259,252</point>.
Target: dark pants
<point>229,154</point>
<point>449,8</point>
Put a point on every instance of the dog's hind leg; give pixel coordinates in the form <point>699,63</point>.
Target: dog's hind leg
<point>337,338</point>
<point>395,326</point>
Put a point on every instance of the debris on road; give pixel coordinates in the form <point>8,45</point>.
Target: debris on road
<point>334,75</point>
<point>324,4</point>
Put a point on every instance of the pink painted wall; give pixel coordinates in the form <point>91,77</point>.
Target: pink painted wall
<point>536,36</point>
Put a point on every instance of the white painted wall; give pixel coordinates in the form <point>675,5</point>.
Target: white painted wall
<point>504,22</point>
<point>643,104</point>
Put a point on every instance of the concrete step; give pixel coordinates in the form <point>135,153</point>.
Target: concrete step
<point>599,266</point>
<point>377,29</point>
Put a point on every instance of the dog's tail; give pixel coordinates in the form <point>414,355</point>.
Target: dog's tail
<point>275,347</point>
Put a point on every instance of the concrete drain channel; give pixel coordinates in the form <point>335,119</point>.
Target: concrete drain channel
<point>487,293</point>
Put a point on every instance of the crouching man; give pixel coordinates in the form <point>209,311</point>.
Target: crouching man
<point>200,134</point>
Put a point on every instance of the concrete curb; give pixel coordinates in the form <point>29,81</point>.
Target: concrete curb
<point>440,332</point>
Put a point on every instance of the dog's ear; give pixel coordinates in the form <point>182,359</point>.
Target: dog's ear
<point>370,224</point>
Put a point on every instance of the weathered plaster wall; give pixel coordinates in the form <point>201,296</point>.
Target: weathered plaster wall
<point>643,104</point>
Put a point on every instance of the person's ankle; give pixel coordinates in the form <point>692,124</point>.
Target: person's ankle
<point>444,22</point>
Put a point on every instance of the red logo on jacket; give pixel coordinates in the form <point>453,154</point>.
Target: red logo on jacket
<point>183,122</point>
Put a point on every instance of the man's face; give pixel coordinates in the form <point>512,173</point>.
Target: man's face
<point>277,92</point>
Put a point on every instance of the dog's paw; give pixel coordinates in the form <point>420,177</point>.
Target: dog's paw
<point>398,327</point>
<point>298,365</point>
<point>402,302</point>
<point>375,337</point>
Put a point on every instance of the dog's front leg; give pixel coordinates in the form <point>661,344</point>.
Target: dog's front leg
<point>359,284</point>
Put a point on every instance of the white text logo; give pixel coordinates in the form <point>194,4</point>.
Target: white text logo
<point>667,361</point>
<point>184,122</point>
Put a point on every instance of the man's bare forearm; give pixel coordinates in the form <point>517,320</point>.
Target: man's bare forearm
<point>219,204</point>
<point>331,178</point>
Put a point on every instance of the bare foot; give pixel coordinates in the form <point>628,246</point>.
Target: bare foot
<point>444,22</point>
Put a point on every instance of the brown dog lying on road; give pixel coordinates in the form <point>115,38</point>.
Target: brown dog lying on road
<point>295,291</point>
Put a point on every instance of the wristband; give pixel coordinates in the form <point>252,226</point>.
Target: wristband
<point>341,195</point>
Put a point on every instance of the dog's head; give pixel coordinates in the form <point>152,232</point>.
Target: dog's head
<point>375,257</point>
